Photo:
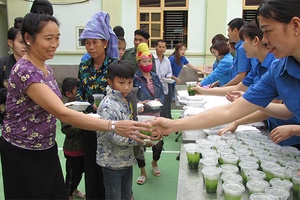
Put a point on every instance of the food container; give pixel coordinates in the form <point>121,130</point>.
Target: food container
<point>233,191</point>
<point>256,186</point>
<point>77,105</point>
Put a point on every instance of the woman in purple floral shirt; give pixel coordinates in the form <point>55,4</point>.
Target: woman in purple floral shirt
<point>30,163</point>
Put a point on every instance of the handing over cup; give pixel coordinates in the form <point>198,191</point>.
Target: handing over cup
<point>97,99</point>
<point>148,118</point>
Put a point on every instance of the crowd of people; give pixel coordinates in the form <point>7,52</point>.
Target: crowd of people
<point>256,68</point>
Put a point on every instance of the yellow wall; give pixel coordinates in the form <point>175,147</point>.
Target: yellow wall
<point>16,8</point>
<point>115,7</point>
<point>215,20</point>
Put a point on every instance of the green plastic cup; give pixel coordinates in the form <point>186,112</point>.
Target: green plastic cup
<point>211,178</point>
<point>296,189</point>
<point>193,155</point>
<point>98,98</point>
<point>233,191</point>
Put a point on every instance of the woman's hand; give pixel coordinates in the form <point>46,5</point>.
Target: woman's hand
<point>162,126</point>
<point>229,128</point>
<point>130,129</point>
<point>199,89</point>
<point>234,95</point>
<point>178,81</point>
<point>283,132</point>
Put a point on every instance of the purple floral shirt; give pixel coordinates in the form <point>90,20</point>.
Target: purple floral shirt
<point>26,124</point>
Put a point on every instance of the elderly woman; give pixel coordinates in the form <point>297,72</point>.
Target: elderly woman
<point>101,44</point>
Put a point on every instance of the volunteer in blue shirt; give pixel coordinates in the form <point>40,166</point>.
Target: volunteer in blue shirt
<point>280,23</point>
<point>223,63</point>
<point>241,64</point>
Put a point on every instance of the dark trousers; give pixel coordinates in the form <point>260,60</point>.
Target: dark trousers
<point>156,152</point>
<point>74,172</point>
<point>94,187</point>
<point>31,174</point>
<point>166,108</point>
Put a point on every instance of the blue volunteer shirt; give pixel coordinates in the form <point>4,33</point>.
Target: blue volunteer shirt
<point>240,63</point>
<point>221,73</point>
<point>259,70</point>
<point>281,81</point>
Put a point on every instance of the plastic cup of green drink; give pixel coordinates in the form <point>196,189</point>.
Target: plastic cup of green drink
<point>189,86</point>
<point>257,186</point>
<point>229,159</point>
<point>228,168</point>
<point>267,168</point>
<point>281,172</point>
<point>98,98</point>
<point>260,196</point>
<point>254,174</point>
<point>193,155</point>
<point>211,178</point>
<point>281,184</point>
<point>247,165</point>
<point>296,182</point>
<point>145,118</point>
<point>277,193</point>
<point>233,191</point>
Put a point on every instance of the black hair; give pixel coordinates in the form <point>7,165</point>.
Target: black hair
<point>18,22</point>
<point>121,39</point>
<point>250,30</point>
<point>217,38</point>
<point>279,10</point>
<point>120,68</point>
<point>221,46</point>
<point>42,7</point>
<point>236,23</point>
<point>158,41</point>
<point>176,52</point>
<point>68,85</point>
<point>33,24</point>
<point>119,31</point>
<point>13,31</point>
<point>40,14</point>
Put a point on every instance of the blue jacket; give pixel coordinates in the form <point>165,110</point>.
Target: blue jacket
<point>143,93</point>
<point>221,73</point>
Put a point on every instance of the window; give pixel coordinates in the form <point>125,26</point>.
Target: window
<point>164,19</point>
<point>249,9</point>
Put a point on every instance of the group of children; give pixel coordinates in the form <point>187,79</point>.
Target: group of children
<point>116,154</point>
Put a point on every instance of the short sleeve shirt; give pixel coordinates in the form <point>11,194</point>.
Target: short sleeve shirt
<point>281,81</point>
<point>259,70</point>
<point>175,67</point>
<point>26,124</point>
<point>240,63</point>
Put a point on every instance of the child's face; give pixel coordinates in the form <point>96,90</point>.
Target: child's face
<point>71,95</point>
<point>122,47</point>
<point>145,61</point>
<point>122,84</point>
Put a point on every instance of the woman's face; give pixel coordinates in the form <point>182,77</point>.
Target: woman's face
<point>249,47</point>
<point>280,38</point>
<point>18,46</point>
<point>182,51</point>
<point>95,47</point>
<point>121,48</point>
<point>215,52</point>
<point>46,42</point>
